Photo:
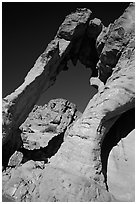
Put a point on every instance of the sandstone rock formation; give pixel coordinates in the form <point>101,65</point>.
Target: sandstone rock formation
<point>47,122</point>
<point>121,169</point>
<point>77,171</point>
<point>42,135</point>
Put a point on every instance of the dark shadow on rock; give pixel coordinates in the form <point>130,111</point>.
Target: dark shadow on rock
<point>43,154</point>
<point>14,144</point>
<point>121,128</point>
<point>6,198</point>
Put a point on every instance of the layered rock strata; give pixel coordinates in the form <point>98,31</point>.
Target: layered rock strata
<point>78,170</point>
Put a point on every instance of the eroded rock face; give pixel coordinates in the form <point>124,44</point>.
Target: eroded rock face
<point>118,36</point>
<point>78,170</point>
<point>17,105</point>
<point>47,122</point>
<point>43,131</point>
<point>121,169</point>
<point>42,135</point>
<point>22,183</point>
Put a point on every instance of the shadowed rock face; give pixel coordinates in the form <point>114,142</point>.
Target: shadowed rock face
<point>77,168</point>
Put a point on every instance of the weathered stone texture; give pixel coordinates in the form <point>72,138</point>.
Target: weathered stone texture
<point>17,105</point>
<point>77,170</point>
<point>47,122</point>
<point>121,169</point>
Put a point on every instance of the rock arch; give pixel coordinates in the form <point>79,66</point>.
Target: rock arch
<point>75,172</point>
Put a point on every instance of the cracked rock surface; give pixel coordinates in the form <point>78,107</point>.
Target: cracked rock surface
<point>42,134</point>
<point>57,154</point>
<point>47,122</point>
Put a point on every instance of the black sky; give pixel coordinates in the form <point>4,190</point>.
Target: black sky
<point>27,28</point>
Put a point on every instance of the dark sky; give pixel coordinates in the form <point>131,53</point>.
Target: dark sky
<point>27,28</point>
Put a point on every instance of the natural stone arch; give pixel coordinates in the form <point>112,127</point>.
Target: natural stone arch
<point>76,78</point>
<point>67,44</point>
<point>75,171</point>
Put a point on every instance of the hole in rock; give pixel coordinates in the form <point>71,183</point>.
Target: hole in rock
<point>121,128</point>
<point>72,85</point>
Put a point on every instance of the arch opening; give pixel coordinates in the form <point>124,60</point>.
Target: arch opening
<point>120,130</point>
<point>73,85</point>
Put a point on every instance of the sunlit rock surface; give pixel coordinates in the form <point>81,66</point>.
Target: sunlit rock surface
<point>81,167</point>
<point>45,123</point>
<point>121,169</point>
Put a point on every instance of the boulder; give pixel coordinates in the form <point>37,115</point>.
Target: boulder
<point>47,122</point>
